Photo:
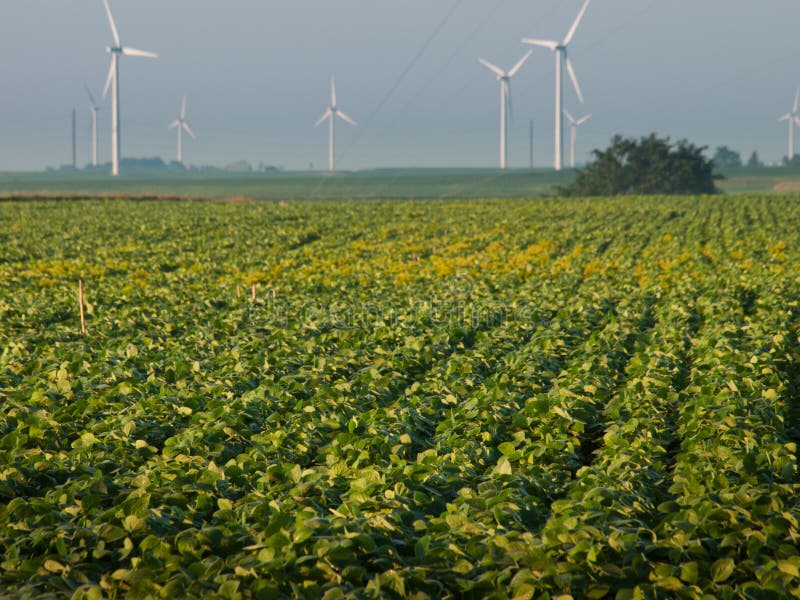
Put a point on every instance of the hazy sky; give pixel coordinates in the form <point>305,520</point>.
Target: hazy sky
<point>256,75</point>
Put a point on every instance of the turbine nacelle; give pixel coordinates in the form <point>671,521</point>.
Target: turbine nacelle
<point>505,77</point>
<point>562,61</point>
<point>330,115</point>
<point>333,109</point>
<point>93,105</point>
<point>112,82</point>
<point>123,51</point>
<point>794,119</point>
<point>181,125</point>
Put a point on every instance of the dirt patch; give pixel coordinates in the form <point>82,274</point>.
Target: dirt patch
<point>787,185</point>
<point>239,199</point>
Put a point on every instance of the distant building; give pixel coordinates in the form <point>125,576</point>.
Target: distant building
<point>240,166</point>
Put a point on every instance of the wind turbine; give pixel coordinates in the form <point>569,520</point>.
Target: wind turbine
<point>182,126</point>
<point>330,115</point>
<point>116,51</point>
<point>793,119</point>
<point>560,49</point>
<point>504,77</point>
<point>574,124</point>
<point>94,107</point>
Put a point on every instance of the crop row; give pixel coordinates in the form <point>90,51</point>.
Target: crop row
<point>515,399</point>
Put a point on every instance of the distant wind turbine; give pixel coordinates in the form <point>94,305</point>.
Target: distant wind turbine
<point>793,119</point>
<point>94,107</point>
<point>574,124</point>
<point>181,124</point>
<point>330,115</point>
<point>116,51</point>
<point>505,99</point>
<point>560,49</point>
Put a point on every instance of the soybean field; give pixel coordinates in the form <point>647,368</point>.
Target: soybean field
<point>443,399</point>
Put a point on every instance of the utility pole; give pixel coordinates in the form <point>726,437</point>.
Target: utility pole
<point>74,147</point>
<point>531,143</point>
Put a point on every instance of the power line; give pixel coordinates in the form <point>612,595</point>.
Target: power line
<point>484,22</point>
<point>468,38</point>
<point>602,39</point>
<point>416,58</point>
<point>388,96</point>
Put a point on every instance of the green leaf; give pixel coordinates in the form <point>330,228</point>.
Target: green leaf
<point>132,523</point>
<point>507,448</point>
<point>790,566</point>
<point>597,591</point>
<point>673,584</point>
<point>53,566</point>
<point>722,569</point>
<point>230,590</point>
<point>503,467</point>
<point>690,572</point>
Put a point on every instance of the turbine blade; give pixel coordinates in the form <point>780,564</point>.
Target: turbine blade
<point>140,53</point>
<point>91,96</point>
<point>345,118</point>
<point>519,65</point>
<point>114,31</point>
<point>325,117</point>
<point>797,121</point>
<point>333,92</point>
<point>493,68</point>
<point>549,44</point>
<point>785,117</point>
<point>183,108</point>
<point>577,22</point>
<point>112,73</point>
<point>796,101</point>
<point>583,120</point>
<point>570,118</point>
<point>189,130</point>
<point>174,124</point>
<point>574,79</point>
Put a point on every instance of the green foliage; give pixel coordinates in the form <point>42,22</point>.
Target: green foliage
<point>649,166</point>
<point>754,162</point>
<point>526,399</point>
<point>725,158</point>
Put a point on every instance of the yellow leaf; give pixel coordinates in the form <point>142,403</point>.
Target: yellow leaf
<point>562,413</point>
<point>53,566</point>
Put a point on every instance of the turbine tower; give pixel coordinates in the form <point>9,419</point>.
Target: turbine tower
<point>330,115</point>
<point>793,119</point>
<point>505,77</point>
<point>560,49</point>
<point>116,51</point>
<point>573,125</point>
<point>181,124</point>
<point>94,107</point>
